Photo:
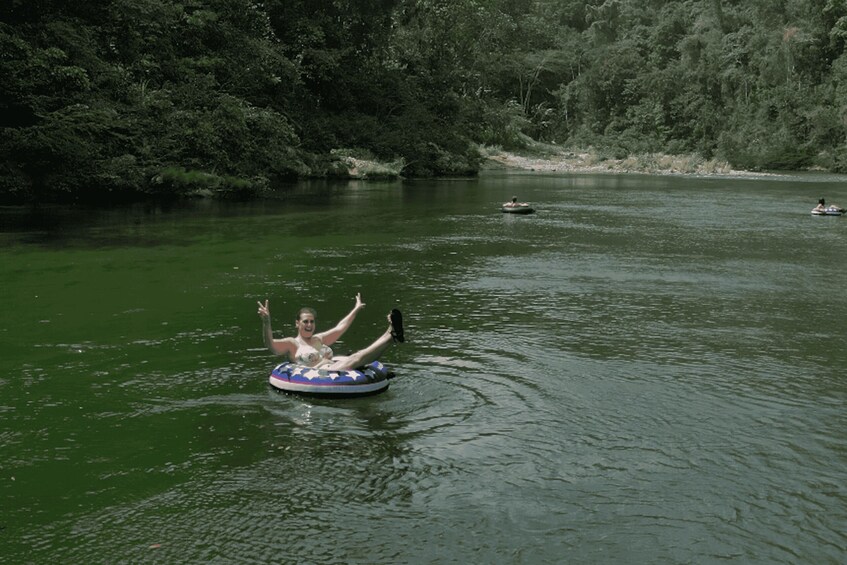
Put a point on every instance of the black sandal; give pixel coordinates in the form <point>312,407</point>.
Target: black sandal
<point>397,326</point>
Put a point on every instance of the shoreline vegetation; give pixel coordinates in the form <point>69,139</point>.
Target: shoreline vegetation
<point>162,100</point>
<point>534,157</point>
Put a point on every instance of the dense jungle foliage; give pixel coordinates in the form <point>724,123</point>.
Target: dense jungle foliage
<point>116,98</point>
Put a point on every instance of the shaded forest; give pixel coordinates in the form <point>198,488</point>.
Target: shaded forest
<point>116,99</point>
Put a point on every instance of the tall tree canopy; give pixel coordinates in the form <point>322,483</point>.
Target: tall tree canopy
<point>115,98</point>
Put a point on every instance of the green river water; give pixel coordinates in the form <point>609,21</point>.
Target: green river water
<point>647,370</point>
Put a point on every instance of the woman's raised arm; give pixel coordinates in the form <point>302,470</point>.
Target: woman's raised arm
<point>285,346</point>
<point>331,336</point>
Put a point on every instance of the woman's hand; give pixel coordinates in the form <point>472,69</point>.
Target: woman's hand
<point>264,311</point>
<point>359,303</point>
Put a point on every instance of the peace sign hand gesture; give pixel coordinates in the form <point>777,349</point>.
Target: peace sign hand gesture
<point>264,311</point>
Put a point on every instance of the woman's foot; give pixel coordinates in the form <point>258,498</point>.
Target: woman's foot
<point>396,319</point>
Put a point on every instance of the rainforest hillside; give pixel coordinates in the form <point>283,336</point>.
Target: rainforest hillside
<point>120,98</point>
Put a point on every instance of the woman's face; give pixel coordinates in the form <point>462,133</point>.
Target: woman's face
<point>306,324</point>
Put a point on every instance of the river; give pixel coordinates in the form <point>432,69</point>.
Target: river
<point>647,370</point>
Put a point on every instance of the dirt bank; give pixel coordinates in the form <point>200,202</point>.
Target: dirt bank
<point>588,161</point>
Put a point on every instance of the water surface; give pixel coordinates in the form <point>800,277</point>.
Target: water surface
<point>648,369</point>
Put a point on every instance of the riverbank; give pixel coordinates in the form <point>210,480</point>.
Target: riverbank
<point>554,159</point>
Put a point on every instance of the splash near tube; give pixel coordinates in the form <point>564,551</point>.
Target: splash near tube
<point>309,381</point>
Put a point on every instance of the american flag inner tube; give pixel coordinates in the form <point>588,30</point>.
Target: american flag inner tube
<point>309,381</point>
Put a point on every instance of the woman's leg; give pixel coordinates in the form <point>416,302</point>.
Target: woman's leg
<point>363,357</point>
<point>372,352</point>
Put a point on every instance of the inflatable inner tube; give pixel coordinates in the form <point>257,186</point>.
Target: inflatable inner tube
<point>517,209</point>
<point>309,381</point>
<point>829,211</point>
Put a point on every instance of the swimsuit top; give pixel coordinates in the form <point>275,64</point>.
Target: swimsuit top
<point>311,357</point>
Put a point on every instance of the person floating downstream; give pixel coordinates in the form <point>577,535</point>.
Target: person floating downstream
<point>822,207</point>
<point>514,203</point>
<point>312,349</point>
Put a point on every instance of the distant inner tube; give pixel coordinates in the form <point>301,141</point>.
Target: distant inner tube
<point>517,209</point>
<point>309,381</point>
<point>828,211</point>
